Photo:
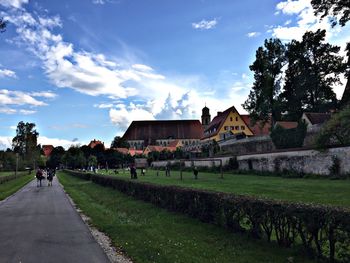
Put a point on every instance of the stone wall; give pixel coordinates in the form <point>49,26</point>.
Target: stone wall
<point>301,161</point>
<point>307,161</point>
<point>249,145</point>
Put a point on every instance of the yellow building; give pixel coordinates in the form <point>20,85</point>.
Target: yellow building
<point>227,124</point>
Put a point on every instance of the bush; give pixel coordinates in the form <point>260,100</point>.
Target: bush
<point>336,131</point>
<point>322,230</point>
<point>288,138</point>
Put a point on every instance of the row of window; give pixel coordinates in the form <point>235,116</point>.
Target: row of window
<point>231,128</point>
<point>231,119</point>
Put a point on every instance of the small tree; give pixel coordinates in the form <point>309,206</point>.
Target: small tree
<point>336,131</point>
<point>92,161</point>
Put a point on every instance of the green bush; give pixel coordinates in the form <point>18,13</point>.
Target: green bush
<point>323,231</point>
<point>288,138</point>
<point>336,131</point>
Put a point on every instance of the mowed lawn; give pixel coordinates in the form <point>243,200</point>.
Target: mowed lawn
<point>10,187</point>
<point>150,234</point>
<point>317,191</point>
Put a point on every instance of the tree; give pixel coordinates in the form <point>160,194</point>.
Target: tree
<point>336,131</point>
<point>262,103</point>
<point>25,142</point>
<point>313,68</point>
<point>55,159</point>
<point>92,161</point>
<point>119,142</point>
<point>339,9</point>
<point>3,25</point>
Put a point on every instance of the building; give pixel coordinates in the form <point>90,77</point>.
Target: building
<point>47,149</point>
<point>287,124</point>
<point>94,143</point>
<point>206,118</point>
<point>345,100</point>
<point>140,134</point>
<point>157,148</point>
<point>315,120</point>
<point>225,125</point>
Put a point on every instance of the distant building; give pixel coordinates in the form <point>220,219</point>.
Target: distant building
<point>94,143</point>
<point>315,120</point>
<point>140,134</point>
<point>345,100</point>
<point>225,125</point>
<point>47,149</point>
<point>206,118</point>
<point>287,124</point>
<point>156,148</point>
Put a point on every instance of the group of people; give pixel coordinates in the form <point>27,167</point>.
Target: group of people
<point>42,174</point>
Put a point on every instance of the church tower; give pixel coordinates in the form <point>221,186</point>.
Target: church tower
<point>205,117</point>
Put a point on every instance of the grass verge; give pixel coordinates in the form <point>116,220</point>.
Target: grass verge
<point>316,191</point>
<point>10,187</point>
<point>150,234</point>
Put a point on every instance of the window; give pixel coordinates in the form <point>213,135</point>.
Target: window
<point>226,128</point>
<point>237,128</point>
<point>242,128</point>
<point>230,118</point>
<point>232,127</point>
<point>236,118</point>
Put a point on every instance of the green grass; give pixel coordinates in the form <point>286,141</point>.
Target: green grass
<point>317,191</point>
<point>11,173</point>
<point>150,234</point>
<point>10,187</point>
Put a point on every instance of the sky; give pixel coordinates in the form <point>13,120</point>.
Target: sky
<point>84,69</point>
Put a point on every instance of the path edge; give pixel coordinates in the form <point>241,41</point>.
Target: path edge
<point>114,254</point>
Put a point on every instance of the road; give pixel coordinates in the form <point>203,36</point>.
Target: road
<point>39,224</point>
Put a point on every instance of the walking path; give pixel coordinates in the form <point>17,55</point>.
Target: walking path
<point>39,224</point>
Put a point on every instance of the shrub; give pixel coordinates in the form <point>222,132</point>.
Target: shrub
<point>322,230</point>
<point>288,138</point>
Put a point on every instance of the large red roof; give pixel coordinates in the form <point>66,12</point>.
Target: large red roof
<point>256,128</point>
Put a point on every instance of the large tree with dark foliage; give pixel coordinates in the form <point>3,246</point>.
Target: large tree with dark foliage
<point>55,159</point>
<point>262,103</point>
<point>119,142</point>
<point>338,9</point>
<point>313,68</point>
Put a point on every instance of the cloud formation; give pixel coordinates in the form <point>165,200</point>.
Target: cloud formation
<point>7,73</point>
<point>205,24</point>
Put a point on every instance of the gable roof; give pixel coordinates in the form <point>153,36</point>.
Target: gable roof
<point>150,131</point>
<point>256,128</point>
<point>317,118</point>
<point>219,121</point>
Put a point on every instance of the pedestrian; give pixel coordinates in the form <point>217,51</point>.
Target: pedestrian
<point>39,177</point>
<point>167,170</point>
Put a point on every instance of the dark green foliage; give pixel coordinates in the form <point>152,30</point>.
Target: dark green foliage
<point>339,9</point>
<point>262,103</point>
<point>323,231</point>
<point>336,131</point>
<point>334,170</point>
<point>313,68</point>
<point>55,159</point>
<point>232,164</point>
<point>119,142</point>
<point>288,138</point>
<point>4,179</point>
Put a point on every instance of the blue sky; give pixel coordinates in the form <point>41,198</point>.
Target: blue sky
<point>84,69</point>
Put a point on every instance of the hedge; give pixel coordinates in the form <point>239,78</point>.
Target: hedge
<point>323,231</point>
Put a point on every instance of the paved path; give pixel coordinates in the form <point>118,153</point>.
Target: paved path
<point>38,224</point>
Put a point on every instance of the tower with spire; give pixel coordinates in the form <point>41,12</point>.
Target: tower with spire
<point>206,118</point>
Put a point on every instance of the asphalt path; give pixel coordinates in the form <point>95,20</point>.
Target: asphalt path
<point>39,224</point>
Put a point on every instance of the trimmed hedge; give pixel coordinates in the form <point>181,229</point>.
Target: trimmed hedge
<point>322,230</point>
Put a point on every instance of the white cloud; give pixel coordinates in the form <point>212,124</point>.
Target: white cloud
<point>7,73</point>
<point>205,24</point>
<point>26,112</point>
<point>44,94</point>
<point>5,142</point>
<point>253,34</point>
<point>13,3</point>
<point>98,2</point>
<point>8,97</point>
<point>104,105</point>
<point>6,110</point>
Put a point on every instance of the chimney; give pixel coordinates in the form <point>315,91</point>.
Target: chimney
<point>219,113</point>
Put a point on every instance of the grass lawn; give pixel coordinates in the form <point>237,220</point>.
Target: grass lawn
<point>11,173</point>
<point>10,187</point>
<point>150,234</point>
<point>318,191</point>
